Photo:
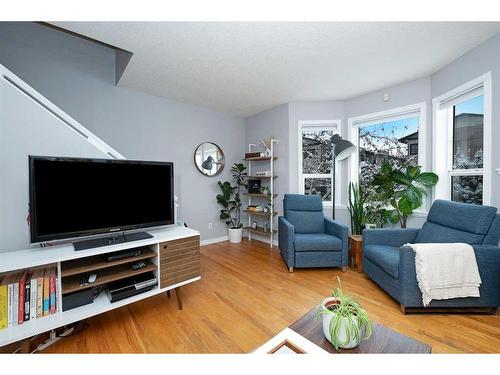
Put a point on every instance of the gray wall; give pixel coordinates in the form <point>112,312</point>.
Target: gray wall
<point>78,76</point>
<point>480,60</point>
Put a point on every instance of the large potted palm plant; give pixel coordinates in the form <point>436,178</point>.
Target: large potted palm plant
<point>229,199</point>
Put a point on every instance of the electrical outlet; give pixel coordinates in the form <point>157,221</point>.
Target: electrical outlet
<point>210,226</point>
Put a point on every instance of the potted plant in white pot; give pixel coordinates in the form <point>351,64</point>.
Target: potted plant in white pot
<point>345,323</point>
<point>230,201</point>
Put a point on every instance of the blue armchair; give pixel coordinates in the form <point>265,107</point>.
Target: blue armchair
<point>307,238</point>
<point>392,265</point>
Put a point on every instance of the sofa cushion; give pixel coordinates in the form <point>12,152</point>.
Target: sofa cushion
<point>317,242</point>
<point>300,202</point>
<point>432,232</point>
<point>386,257</point>
<point>462,216</point>
<point>306,221</point>
<point>304,212</point>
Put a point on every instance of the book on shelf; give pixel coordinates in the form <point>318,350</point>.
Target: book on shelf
<point>39,293</point>
<point>33,296</point>
<point>27,295</point>
<point>255,208</point>
<point>15,302</point>
<point>22,295</point>
<point>264,173</point>
<point>250,155</point>
<point>52,291</point>
<point>46,292</point>
<point>11,278</point>
<point>4,303</point>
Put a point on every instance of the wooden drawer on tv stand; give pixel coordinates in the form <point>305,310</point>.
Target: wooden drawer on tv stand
<point>179,260</point>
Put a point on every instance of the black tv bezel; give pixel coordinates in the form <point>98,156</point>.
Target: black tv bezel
<point>35,238</point>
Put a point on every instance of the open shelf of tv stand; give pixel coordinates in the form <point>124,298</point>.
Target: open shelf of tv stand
<point>90,264</point>
<point>72,283</point>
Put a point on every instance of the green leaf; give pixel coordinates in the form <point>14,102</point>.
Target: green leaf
<point>405,205</point>
<point>401,178</point>
<point>428,179</point>
<point>412,172</point>
<point>414,196</point>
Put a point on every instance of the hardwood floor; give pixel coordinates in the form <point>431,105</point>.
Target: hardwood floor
<point>246,296</point>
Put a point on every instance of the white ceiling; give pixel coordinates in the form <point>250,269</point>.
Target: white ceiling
<point>245,68</point>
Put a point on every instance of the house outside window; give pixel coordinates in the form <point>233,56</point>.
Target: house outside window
<point>462,140</point>
<point>316,159</point>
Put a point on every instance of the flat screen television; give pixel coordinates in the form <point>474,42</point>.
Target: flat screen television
<point>74,197</point>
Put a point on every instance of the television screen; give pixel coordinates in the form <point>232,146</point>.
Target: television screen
<point>72,197</point>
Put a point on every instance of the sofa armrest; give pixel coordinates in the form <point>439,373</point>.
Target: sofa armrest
<point>389,237</point>
<point>341,231</point>
<point>488,262</point>
<point>409,291</point>
<point>335,228</point>
<point>286,238</point>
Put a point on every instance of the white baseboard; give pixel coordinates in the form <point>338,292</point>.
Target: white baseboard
<point>226,238</point>
<point>263,239</point>
<point>214,240</point>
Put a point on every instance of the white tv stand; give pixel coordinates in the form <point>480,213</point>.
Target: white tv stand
<point>176,262</point>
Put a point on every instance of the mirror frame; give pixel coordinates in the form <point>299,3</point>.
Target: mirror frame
<point>223,160</point>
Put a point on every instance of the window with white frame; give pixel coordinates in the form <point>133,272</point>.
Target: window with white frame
<point>315,159</point>
<point>396,136</point>
<point>461,142</point>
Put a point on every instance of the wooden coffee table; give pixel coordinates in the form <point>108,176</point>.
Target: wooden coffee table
<point>382,340</point>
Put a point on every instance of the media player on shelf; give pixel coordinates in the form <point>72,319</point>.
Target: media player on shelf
<point>77,197</point>
<point>129,253</point>
<point>131,286</point>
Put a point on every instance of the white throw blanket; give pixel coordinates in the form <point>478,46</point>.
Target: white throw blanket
<point>446,270</point>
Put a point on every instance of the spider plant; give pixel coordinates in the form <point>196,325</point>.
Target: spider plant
<point>348,321</point>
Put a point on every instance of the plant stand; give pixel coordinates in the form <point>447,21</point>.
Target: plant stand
<point>356,252</point>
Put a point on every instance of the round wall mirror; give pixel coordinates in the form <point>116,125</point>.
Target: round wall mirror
<point>209,159</point>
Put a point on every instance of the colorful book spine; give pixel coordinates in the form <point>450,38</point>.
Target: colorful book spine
<point>27,296</point>
<point>52,285</point>
<point>22,291</point>
<point>11,300</point>
<point>4,306</point>
<point>46,293</point>
<point>39,295</point>
<point>33,297</point>
<point>15,304</point>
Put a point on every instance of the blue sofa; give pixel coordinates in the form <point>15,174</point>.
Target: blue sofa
<point>307,238</point>
<point>392,265</point>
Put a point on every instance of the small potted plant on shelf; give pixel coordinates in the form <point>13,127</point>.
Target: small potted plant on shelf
<point>229,199</point>
<point>345,323</point>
